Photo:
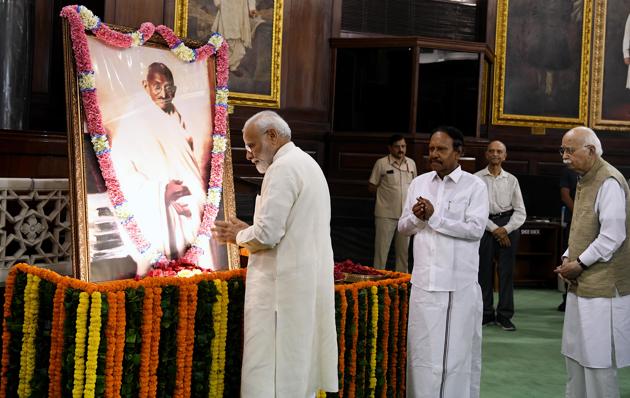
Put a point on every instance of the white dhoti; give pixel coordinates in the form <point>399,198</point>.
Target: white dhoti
<point>444,343</point>
<point>596,341</point>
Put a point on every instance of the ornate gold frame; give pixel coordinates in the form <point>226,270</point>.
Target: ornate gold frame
<point>78,163</point>
<point>248,99</point>
<point>597,86</point>
<point>501,118</point>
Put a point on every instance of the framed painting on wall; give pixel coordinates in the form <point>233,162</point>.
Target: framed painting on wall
<point>253,29</point>
<point>150,160</point>
<point>542,63</point>
<point>610,89</point>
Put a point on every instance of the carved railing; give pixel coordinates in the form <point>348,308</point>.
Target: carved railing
<point>34,224</point>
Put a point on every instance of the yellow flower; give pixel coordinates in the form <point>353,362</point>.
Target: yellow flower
<point>87,81</point>
<point>373,342</point>
<point>216,40</point>
<point>219,144</point>
<point>136,39</point>
<point>184,53</point>
<point>79,350</point>
<point>94,340</point>
<point>214,196</point>
<point>100,143</point>
<point>185,273</point>
<point>90,21</point>
<point>29,332</point>
<point>221,96</point>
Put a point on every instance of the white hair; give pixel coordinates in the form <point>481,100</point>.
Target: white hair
<point>266,120</point>
<point>590,138</point>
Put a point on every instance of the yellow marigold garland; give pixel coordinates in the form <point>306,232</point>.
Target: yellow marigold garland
<point>222,338</point>
<point>215,345</point>
<point>29,332</point>
<point>155,345</point>
<point>110,335</point>
<point>79,350</point>
<point>342,339</point>
<point>387,302</point>
<point>372,383</point>
<point>94,342</point>
<point>393,366</point>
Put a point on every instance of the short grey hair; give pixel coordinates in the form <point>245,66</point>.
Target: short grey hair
<point>590,138</point>
<point>266,120</point>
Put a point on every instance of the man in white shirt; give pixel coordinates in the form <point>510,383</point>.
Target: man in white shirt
<point>596,333</point>
<point>290,337</point>
<point>507,214</point>
<point>446,210</point>
<point>390,179</point>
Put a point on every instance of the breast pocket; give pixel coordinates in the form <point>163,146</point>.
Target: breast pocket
<point>455,209</point>
<point>257,208</point>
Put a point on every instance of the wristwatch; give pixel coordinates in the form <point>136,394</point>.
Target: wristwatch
<point>584,267</point>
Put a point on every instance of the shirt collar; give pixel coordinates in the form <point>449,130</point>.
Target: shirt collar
<point>284,149</point>
<point>502,174</point>
<point>392,160</point>
<point>454,176</point>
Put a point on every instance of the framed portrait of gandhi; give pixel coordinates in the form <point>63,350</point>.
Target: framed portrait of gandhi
<point>542,63</point>
<point>150,163</point>
<point>610,88</point>
<point>253,29</point>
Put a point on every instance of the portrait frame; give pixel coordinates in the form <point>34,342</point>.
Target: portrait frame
<point>246,90</point>
<point>609,111</point>
<point>83,160</point>
<point>525,91</point>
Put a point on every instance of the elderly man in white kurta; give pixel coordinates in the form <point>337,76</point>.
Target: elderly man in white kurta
<point>152,154</point>
<point>596,333</point>
<point>290,343</point>
<point>446,210</point>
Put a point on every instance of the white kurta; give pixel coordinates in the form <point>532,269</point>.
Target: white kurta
<point>290,342</point>
<point>149,149</point>
<point>445,307</point>
<point>626,47</point>
<point>592,326</point>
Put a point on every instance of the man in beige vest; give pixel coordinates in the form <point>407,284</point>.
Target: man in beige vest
<point>596,333</point>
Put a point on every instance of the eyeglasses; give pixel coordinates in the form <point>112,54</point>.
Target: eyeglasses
<point>569,150</point>
<point>249,147</point>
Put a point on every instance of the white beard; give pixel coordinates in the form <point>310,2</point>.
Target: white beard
<point>262,166</point>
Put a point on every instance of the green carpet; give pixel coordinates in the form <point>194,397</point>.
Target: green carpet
<point>527,363</point>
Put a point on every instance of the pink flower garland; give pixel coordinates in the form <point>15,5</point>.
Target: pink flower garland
<point>81,19</point>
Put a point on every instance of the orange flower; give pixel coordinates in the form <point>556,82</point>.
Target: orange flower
<point>403,338</point>
<point>387,302</point>
<point>393,366</point>
<point>182,337</point>
<point>342,338</point>
<point>121,323</point>
<point>155,345</point>
<point>146,330</point>
<point>190,338</point>
<point>6,335</point>
<point>56,342</point>
<point>110,333</point>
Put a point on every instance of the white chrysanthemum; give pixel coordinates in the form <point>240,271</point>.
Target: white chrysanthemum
<point>122,211</point>
<point>222,96</point>
<point>216,40</point>
<point>100,143</point>
<point>219,144</point>
<point>184,53</point>
<point>136,39</point>
<point>214,196</point>
<point>90,21</point>
<point>87,81</point>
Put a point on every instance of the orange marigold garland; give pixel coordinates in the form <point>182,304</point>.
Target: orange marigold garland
<point>110,333</point>
<point>56,343</point>
<point>182,335</point>
<point>353,356</point>
<point>121,324</point>
<point>155,345</point>
<point>402,365</point>
<point>342,339</point>
<point>146,330</point>
<point>190,338</point>
<point>393,366</point>
<point>6,335</point>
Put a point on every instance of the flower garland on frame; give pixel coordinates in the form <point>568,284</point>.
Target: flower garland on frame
<point>81,19</point>
<point>94,341</point>
<point>79,350</point>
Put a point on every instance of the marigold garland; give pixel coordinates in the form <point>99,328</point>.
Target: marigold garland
<point>222,338</point>
<point>393,367</point>
<point>387,302</point>
<point>217,306</point>
<point>145,351</point>
<point>190,338</point>
<point>155,345</point>
<point>342,340</point>
<point>372,381</point>
<point>6,335</point>
<point>56,343</point>
<point>110,332</point>
<point>182,337</point>
<point>403,337</point>
<point>353,356</point>
<point>79,350</point>
<point>94,341</point>
<point>121,323</point>
<point>29,332</point>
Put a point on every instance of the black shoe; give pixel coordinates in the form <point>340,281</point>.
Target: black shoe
<point>506,324</point>
<point>562,306</point>
<point>488,320</point>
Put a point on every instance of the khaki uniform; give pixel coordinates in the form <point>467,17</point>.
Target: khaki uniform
<point>392,181</point>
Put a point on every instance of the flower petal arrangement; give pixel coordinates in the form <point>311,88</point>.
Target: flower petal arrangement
<point>81,20</point>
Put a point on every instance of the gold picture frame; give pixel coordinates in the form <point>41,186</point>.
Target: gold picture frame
<point>86,187</point>
<point>538,82</point>
<point>255,67</point>
<point>610,88</point>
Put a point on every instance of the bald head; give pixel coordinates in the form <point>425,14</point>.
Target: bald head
<point>496,154</point>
